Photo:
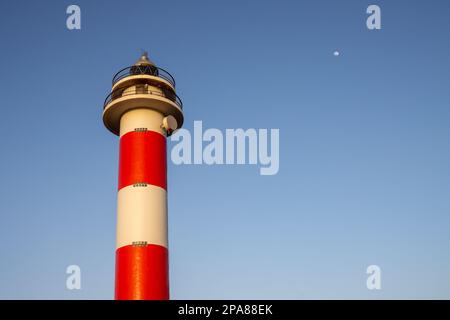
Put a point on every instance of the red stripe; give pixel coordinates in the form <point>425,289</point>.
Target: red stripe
<point>142,159</point>
<point>142,273</point>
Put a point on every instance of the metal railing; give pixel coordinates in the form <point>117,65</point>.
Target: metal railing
<point>149,70</point>
<point>119,93</point>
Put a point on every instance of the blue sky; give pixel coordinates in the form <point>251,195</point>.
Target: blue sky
<point>364,146</point>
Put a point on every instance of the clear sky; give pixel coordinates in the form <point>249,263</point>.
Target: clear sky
<point>364,146</point>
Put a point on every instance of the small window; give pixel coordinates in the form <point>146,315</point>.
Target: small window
<point>141,88</point>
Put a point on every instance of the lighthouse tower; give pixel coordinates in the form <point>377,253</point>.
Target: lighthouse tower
<point>142,109</point>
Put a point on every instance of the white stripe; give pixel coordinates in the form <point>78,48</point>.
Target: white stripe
<point>137,119</point>
<point>141,215</point>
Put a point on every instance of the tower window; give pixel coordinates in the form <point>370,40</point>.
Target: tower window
<point>141,88</point>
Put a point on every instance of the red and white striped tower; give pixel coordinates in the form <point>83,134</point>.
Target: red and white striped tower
<point>143,109</point>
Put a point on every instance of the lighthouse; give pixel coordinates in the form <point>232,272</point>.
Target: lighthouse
<point>143,109</point>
